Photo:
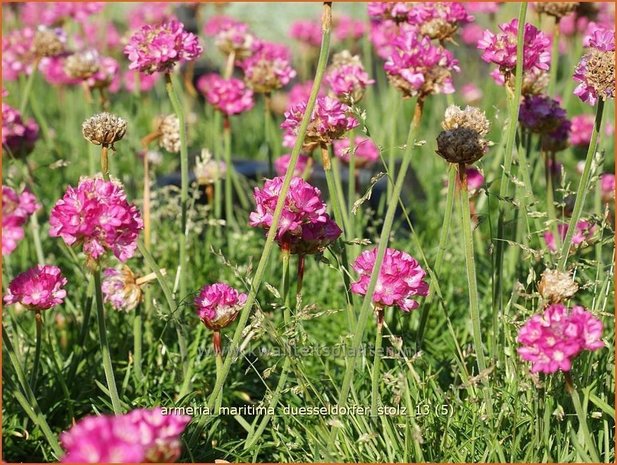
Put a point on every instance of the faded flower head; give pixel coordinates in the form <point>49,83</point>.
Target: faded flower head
<point>48,42</point>
<point>142,435</point>
<point>439,20</point>
<point>347,78</point>
<point>157,48</point>
<point>553,339</point>
<point>39,288</point>
<point>463,139</point>
<point>541,114</point>
<point>582,236</point>
<point>556,286</point>
<point>107,75</point>
<point>418,68</point>
<point>400,281</point>
<point>207,171</point>
<point>16,210</point>
<point>395,11</point>
<point>169,127</point>
<point>364,151</point>
<point>556,9</point>
<point>97,215</point>
<point>330,120</point>
<point>218,305</point>
<point>595,73</point>
<point>229,96</point>
<point>18,136</point>
<point>304,162</point>
<point>104,129</point>
<point>268,68</point>
<point>120,288</point>
<point>230,36</point>
<point>82,65</point>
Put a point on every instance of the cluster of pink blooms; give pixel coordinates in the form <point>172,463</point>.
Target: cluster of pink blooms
<point>439,20</point>
<point>584,232</point>
<point>229,96</point>
<point>158,48</point>
<point>142,435</point>
<point>97,215</point>
<point>230,35</point>
<point>307,32</point>
<point>419,68</point>
<point>55,13</point>
<point>108,75</point>
<point>601,41</point>
<point>39,288</point>
<point>540,114</point>
<point>17,56</point>
<point>396,11</point>
<point>300,93</point>
<point>268,68</point>
<point>304,226</point>
<point>18,136</point>
<point>364,151</point>
<point>400,281</point>
<point>582,128</point>
<point>330,120</point>
<point>282,162</point>
<point>347,28</point>
<point>552,340</point>
<point>16,209</point>
<point>382,35</point>
<point>348,80</point>
<point>218,305</point>
<point>500,48</point>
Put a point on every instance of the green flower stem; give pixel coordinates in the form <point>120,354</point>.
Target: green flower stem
<point>582,418</point>
<point>85,327</point>
<point>265,256</point>
<point>186,384</point>
<point>25,97</point>
<point>216,340</point>
<point>184,174</point>
<point>365,311</point>
<point>583,187</point>
<point>554,60</point>
<point>105,162</point>
<point>550,201</point>
<point>107,366</point>
<point>376,363</point>
<point>268,128</point>
<point>229,211</point>
<point>470,266</point>
<point>351,183</point>
<point>218,186</point>
<point>36,238</point>
<point>137,342</point>
<point>504,206</point>
<point>38,318</point>
<point>443,245</point>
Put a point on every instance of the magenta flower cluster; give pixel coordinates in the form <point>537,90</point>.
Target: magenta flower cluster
<point>158,48</point>
<point>142,435</point>
<point>307,32</point>
<point>229,96</point>
<point>300,93</point>
<point>16,210</point>
<point>268,68</point>
<point>347,28</point>
<point>583,234</point>
<point>218,305</point>
<point>39,288</point>
<point>347,81</point>
<point>54,13</point>
<point>396,11</point>
<point>18,136</point>
<point>500,48</point>
<point>97,215</point>
<point>400,281</point>
<point>17,56</point>
<point>595,73</point>
<point>552,340</point>
<point>364,150</point>
<point>419,68</point>
<point>330,120</point>
<point>304,226</point>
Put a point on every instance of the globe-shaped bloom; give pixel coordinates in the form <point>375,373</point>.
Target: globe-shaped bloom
<point>347,78</point>
<point>158,48</point>
<point>268,68</point>
<point>39,288</point>
<point>120,288</point>
<point>400,281</point>
<point>97,215</point>
<point>552,340</point>
<point>230,36</point>
<point>394,11</point>
<point>595,73</point>
<point>307,32</point>
<point>229,96</point>
<point>218,305</point>
<point>439,20</point>
<point>16,210</point>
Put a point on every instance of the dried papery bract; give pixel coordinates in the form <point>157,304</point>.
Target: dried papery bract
<point>556,9</point>
<point>104,129</point>
<point>556,286</point>
<point>169,130</point>
<point>48,42</point>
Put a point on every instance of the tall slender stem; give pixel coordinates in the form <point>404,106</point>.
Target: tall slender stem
<point>38,318</point>
<point>216,342</point>
<point>184,183</point>
<point>146,201</point>
<point>137,342</point>
<point>268,128</point>
<point>25,97</point>
<point>376,362</point>
<point>351,183</point>
<point>554,60</point>
<point>583,187</point>
<point>229,212</point>
<point>105,353</point>
<point>105,162</point>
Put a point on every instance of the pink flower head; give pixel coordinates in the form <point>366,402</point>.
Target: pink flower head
<point>364,151</point>
<point>500,48</point>
<point>97,215</point>
<point>17,56</point>
<point>472,33</point>
<point>18,136</point>
<point>218,305</point>
<point>584,233</point>
<point>595,72</point>
<point>347,78</point>
<point>230,36</point>
<point>541,114</point>
<point>419,68</point>
<point>229,96</point>
<point>607,187</point>
<point>138,436</point>
<point>158,48</point>
<point>383,34</point>
<point>330,120</point>
<point>268,68</point>
<point>551,341</point>
<point>300,93</point>
<point>282,162</point>
<point>400,280</point>
<point>303,205</point>
<point>315,237</point>
<point>146,81</point>
<point>439,20</point>
<point>307,32</point>
<point>55,13</point>
<point>394,11</point>
<point>475,179</point>
<point>16,210</point>
<point>348,29</point>
<point>53,71</point>
<point>39,288</point>
<point>582,127</point>
<point>108,75</point>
